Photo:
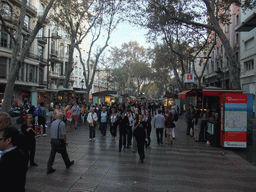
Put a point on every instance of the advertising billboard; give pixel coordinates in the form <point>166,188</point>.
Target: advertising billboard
<point>235,120</point>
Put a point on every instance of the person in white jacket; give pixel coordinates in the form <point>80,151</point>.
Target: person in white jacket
<point>92,120</point>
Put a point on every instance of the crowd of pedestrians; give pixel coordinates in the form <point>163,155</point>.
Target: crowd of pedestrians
<point>197,122</point>
<point>133,121</point>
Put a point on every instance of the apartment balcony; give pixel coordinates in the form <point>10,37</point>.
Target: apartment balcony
<point>42,83</point>
<point>33,56</point>
<point>43,61</point>
<point>54,53</point>
<point>10,19</point>
<point>53,74</point>
<point>15,21</point>
<point>30,8</point>
<point>5,45</point>
<point>42,40</point>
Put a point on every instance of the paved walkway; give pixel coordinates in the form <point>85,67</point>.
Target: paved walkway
<point>184,166</point>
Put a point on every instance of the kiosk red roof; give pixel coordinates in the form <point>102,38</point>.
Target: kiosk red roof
<point>184,94</point>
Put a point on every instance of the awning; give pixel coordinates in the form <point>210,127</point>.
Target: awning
<point>183,94</point>
<point>248,25</point>
<point>81,92</point>
<point>114,95</point>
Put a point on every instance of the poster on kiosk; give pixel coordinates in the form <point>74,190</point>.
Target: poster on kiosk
<point>235,120</point>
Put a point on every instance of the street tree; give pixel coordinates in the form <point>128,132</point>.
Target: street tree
<point>107,21</point>
<point>19,52</point>
<point>151,90</point>
<point>162,69</point>
<point>178,39</point>
<point>120,75</point>
<point>141,73</point>
<point>77,18</point>
<point>134,59</point>
<point>204,14</point>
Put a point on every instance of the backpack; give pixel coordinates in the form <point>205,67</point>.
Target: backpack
<point>176,116</point>
<point>43,112</point>
<point>37,111</point>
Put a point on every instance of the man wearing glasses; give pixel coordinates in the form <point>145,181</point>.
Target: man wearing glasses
<point>13,162</point>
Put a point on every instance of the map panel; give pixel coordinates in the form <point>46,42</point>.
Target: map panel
<point>235,121</point>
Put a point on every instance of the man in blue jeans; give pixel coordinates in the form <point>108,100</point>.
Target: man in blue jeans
<point>158,122</point>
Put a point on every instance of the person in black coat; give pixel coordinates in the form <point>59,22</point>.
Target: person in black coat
<point>13,162</point>
<point>123,126</point>
<point>140,131</point>
<point>113,121</point>
<point>28,129</point>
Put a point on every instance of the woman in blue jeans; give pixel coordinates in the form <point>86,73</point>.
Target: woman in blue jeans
<point>92,120</point>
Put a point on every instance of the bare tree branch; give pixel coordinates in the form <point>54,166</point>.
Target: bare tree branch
<point>6,29</point>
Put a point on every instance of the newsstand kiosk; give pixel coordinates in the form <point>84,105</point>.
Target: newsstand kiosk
<point>234,112</point>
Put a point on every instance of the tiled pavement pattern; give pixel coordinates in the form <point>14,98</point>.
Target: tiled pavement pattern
<point>184,166</point>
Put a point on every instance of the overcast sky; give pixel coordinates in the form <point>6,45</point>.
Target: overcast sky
<point>125,33</point>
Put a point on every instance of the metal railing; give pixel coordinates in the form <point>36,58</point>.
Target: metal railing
<point>33,56</point>
<point>54,52</point>
<point>53,73</point>
<point>42,39</point>
<point>5,45</point>
<point>43,60</point>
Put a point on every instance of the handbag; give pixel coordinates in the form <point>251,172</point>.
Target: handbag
<point>93,121</point>
<point>191,132</point>
<point>60,142</point>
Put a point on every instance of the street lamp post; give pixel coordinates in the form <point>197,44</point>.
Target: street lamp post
<point>82,82</point>
<point>219,75</point>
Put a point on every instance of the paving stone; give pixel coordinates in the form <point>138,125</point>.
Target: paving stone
<point>184,166</point>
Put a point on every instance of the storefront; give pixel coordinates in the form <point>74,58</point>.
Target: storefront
<point>170,99</point>
<point>105,97</point>
<point>51,97</point>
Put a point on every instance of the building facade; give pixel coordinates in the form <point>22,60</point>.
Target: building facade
<point>217,72</point>
<point>42,74</point>
<point>248,51</point>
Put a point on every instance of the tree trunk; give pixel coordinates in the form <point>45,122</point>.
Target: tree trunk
<point>234,66</point>
<point>9,88</point>
<point>69,65</point>
<point>19,55</point>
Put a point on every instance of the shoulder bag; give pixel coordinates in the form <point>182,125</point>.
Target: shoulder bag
<point>60,142</point>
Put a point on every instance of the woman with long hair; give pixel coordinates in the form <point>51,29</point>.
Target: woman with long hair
<point>57,110</point>
<point>69,113</point>
<point>169,125</point>
<point>28,129</point>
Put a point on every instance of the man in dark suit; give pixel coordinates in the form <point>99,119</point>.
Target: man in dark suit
<point>13,162</point>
